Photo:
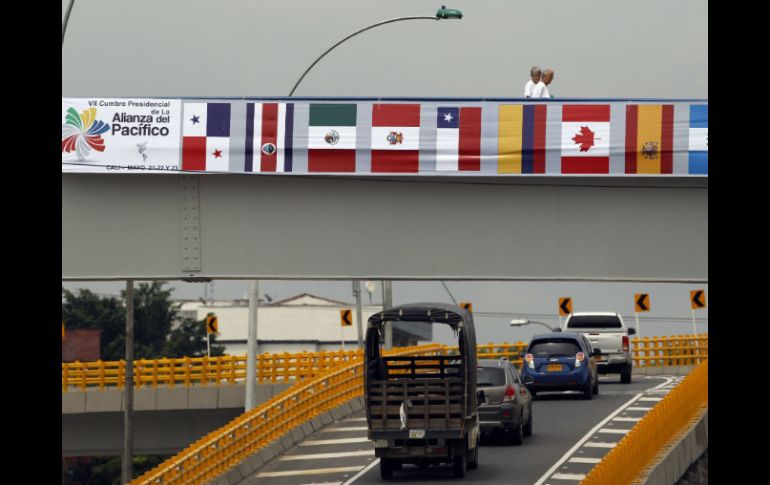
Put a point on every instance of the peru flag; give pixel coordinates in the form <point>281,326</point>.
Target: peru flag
<point>585,139</point>
<point>269,128</point>
<point>396,138</point>
<point>206,137</point>
<point>458,139</point>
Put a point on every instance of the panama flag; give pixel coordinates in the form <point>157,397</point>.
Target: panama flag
<point>206,137</point>
<point>585,139</point>
<point>269,128</point>
<point>649,138</point>
<point>332,138</point>
<point>396,138</point>
<point>458,139</point>
<point>699,139</point>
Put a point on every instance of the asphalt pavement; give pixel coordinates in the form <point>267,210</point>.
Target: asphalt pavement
<point>570,435</point>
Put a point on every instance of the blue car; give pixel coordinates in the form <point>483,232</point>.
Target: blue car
<point>561,361</point>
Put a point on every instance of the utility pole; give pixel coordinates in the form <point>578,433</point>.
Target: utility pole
<point>128,434</point>
<point>387,302</point>
<point>357,294</point>
<point>251,354</point>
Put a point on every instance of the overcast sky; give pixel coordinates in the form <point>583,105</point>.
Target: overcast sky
<point>598,48</point>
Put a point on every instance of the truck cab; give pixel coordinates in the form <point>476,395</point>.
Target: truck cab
<point>607,332</point>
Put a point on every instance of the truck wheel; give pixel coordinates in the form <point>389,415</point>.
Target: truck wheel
<point>528,427</point>
<point>517,433</point>
<point>625,378</point>
<point>473,461</point>
<point>386,468</point>
<point>458,465</point>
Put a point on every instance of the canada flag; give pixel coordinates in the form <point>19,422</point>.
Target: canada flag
<point>585,139</point>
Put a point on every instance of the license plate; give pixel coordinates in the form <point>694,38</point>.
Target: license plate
<point>553,367</point>
<point>416,433</point>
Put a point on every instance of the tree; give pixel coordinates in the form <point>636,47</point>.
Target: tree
<point>189,340</point>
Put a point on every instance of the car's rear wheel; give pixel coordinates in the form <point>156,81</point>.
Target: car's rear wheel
<point>625,378</point>
<point>528,427</point>
<point>386,468</point>
<point>516,436</point>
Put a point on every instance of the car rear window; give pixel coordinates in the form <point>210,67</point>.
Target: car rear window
<point>554,347</point>
<point>594,321</point>
<point>490,377</point>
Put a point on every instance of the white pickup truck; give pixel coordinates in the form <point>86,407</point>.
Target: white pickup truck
<point>608,333</point>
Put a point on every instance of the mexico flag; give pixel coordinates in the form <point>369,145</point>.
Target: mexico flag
<point>458,139</point>
<point>396,138</point>
<point>269,128</point>
<point>585,139</point>
<point>649,138</point>
<point>332,138</point>
<point>206,137</point>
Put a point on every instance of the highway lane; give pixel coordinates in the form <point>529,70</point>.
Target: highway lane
<point>340,453</point>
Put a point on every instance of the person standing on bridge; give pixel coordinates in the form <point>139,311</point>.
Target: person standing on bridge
<point>535,73</point>
<point>541,89</point>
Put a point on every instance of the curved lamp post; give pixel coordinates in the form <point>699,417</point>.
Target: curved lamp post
<point>66,20</point>
<point>442,13</point>
<point>521,322</point>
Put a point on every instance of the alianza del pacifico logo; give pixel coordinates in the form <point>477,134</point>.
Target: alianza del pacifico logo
<point>82,132</point>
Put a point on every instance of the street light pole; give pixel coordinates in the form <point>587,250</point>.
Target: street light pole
<point>443,13</point>
<point>519,323</point>
<point>66,20</point>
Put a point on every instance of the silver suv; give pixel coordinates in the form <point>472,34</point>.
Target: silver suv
<point>607,332</point>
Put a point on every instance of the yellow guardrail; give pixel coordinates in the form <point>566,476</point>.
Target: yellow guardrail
<point>290,367</point>
<point>669,351</point>
<point>188,371</point>
<point>225,448</point>
<point>637,451</point>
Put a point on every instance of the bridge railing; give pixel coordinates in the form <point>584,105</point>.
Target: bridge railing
<point>290,367</point>
<point>221,450</point>
<point>204,371</point>
<point>667,420</point>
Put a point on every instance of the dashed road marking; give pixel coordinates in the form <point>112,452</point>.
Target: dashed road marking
<point>316,471</point>
<point>613,431</point>
<point>318,456</point>
<point>568,476</point>
<point>353,419</point>
<point>638,408</point>
<point>627,419</point>
<point>343,430</point>
<point>599,444</point>
<point>578,459</point>
<point>651,399</point>
<point>334,442</point>
<point>362,472</point>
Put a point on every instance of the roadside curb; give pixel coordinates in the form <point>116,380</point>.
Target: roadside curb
<point>243,473</point>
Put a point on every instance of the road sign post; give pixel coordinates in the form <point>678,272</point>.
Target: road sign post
<point>127,465</point>
<point>357,294</point>
<point>251,353</point>
<point>697,301</point>
<point>641,304</point>
<point>346,320</point>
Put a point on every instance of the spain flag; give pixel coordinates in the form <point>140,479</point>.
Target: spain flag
<point>649,138</point>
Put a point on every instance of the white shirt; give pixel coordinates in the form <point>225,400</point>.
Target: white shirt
<point>528,89</point>
<point>540,91</point>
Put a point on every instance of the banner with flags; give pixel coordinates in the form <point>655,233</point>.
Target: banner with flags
<point>385,137</point>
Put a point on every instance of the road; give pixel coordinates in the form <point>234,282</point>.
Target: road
<point>570,435</point>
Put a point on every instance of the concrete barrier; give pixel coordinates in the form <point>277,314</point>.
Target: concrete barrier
<point>244,473</point>
<point>676,460</point>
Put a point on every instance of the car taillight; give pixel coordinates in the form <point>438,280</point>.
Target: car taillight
<point>579,357</point>
<point>625,343</point>
<point>510,394</point>
<point>530,359</point>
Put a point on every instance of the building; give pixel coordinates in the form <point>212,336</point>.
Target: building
<point>301,323</point>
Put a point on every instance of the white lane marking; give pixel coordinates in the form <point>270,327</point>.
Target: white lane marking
<point>627,419</point>
<point>353,419</point>
<point>568,476</point>
<point>334,442</point>
<point>362,472</point>
<point>578,459</point>
<point>290,473</point>
<point>317,456</point>
<point>651,399</point>
<point>599,444</point>
<point>342,430</point>
<point>585,438</point>
<point>324,483</point>
<point>637,408</point>
<point>613,431</point>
